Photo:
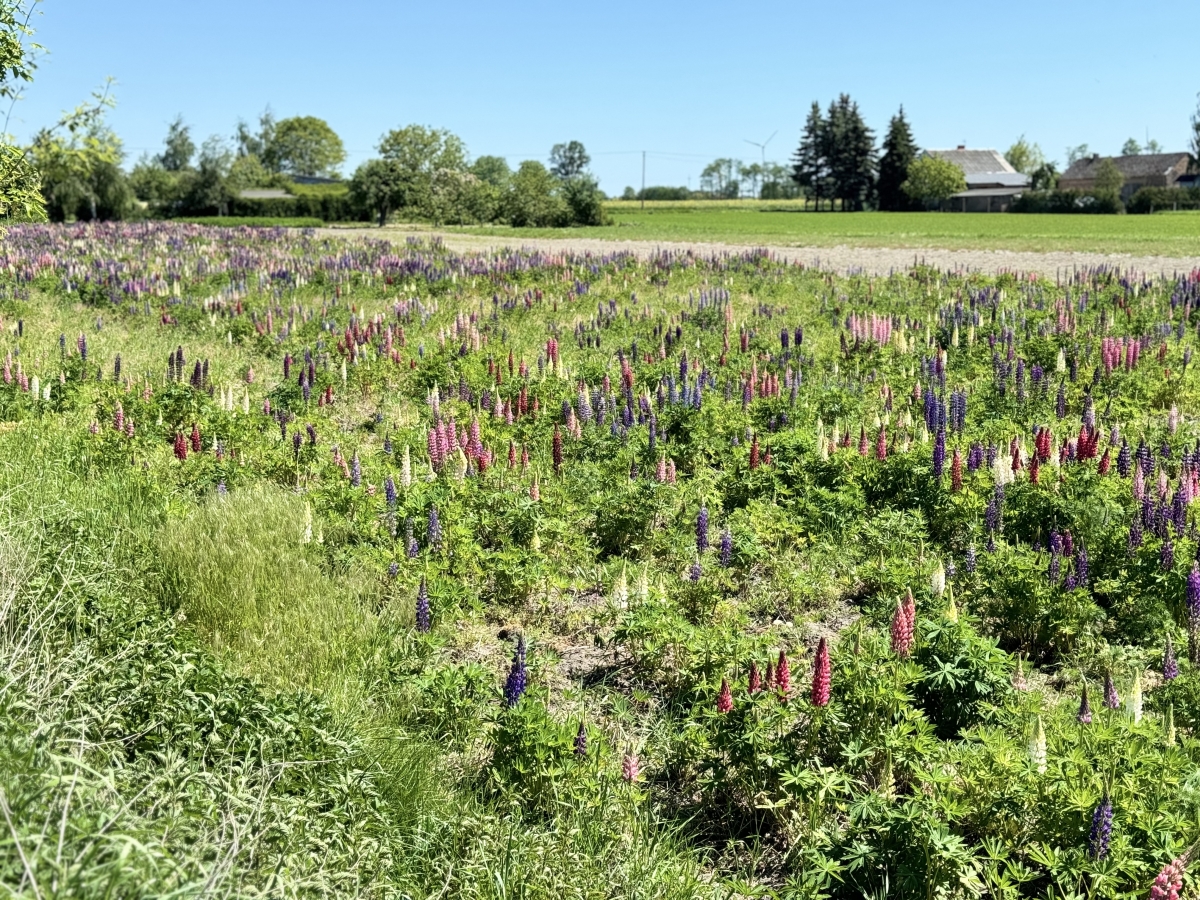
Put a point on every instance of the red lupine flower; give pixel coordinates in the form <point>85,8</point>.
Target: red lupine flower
<point>1034,470</point>
<point>862,441</point>
<point>180,446</point>
<point>195,438</point>
<point>956,472</point>
<point>769,682</point>
<point>754,452</point>
<point>881,444</point>
<point>821,675</point>
<point>725,698</point>
<point>755,684</point>
<point>1105,461</point>
<point>783,674</point>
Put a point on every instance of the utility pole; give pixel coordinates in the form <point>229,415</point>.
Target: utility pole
<point>643,179</point>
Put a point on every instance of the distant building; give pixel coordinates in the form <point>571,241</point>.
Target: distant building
<point>1142,170</point>
<point>264,194</point>
<point>992,184</point>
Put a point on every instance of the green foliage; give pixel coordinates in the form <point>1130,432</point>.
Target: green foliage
<point>899,151</point>
<point>1025,157</point>
<point>931,180</point>
<point>303,145</point>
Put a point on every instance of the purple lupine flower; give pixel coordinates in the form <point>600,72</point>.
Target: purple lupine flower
<point>1124,460</point>
<point>726,548</point>
<point>1060,402</point>
<point>1192,598</point>
<point>1170,666</point>
<point>694,572</point>
<point>1179,512</point>
<point>975,457</point>
<point>518,675</point>
<point>939,453</point>
<point>312,434</point>
<point>1054,571</point>
<point>581,741</point>
<point>434,530</point>
<point>1084,716</point>
<point>1111,700</point>
<point>389,491</point>
<point>1135,534</point>
<point>1102,822</point>
<point>423,608</point>
<point>702,530</point>
<point>393,569</point>
<point>969,560</point>
<point>355,470</point>
<point>221,489</point>
<point>296,443</point>
<point>1081,566</point>
<point>1166,556</point>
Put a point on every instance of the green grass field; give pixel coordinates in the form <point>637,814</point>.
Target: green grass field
<point>787,224</point>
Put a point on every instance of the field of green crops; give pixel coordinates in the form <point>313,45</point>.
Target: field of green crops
<point>357,569</point>
<point>784,223</point>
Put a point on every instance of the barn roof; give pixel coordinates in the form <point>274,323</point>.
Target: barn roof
<point>975,162</point>
<point>1142,165</point>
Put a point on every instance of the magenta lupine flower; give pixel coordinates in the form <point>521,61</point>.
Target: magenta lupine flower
<point>518,675</point>
<point>1102,823</point>
<point>821,675</point>
<point>422,607</point>
<point>725,698</point>
<point>1084,716</point>
<point>702,530</point>
<point>1111,700</point>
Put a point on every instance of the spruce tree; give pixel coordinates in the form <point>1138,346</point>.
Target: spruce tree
<point>899,150</point>
<point>851,154</point>
<point>810,164</point>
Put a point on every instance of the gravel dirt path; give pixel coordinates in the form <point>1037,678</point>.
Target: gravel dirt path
<point>842,259</point>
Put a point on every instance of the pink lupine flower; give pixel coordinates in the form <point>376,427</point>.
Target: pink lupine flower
<point>630,766</point>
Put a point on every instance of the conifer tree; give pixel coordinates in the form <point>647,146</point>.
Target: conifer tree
<point>851,154</point>
<point>810,164</point>
<point>899,150</point>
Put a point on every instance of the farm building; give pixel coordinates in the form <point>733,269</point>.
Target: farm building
<point>1142,170</point>
<point>992,184</point>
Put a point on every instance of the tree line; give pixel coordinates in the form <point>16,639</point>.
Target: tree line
<point>418,173</point>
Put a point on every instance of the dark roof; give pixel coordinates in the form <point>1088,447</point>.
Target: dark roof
<point>974,162</point>
<point>1143,165</point>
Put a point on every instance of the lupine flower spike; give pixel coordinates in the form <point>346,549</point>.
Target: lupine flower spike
<point>725,698</point>
<point>1084,716</point>
<point>581,742</point>
<point>1170,669</point>
<point>1037,746</point>
<point>630,766</point>
<point>783,675</point>
<point>754,684</point>
<point>423,607</point>
<point>1169,882</point>
<point>1101,833</point>
<point>518,675</point>
<point>821,675</point>
<point>1111,700</point>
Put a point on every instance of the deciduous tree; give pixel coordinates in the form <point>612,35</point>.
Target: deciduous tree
<point>932,180</point>
<point>304,145</point>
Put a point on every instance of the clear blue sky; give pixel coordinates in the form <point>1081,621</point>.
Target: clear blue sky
<point>687,82</point>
